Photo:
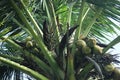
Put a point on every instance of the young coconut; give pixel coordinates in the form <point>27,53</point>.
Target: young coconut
<point>97,49</point>
<point>29,44</point>
<point>91,42</point>
<point>116,74</point>
<point>80,44</point>
<point>36,50</point>
<point>28,38</point>
<point>86,50</point>
<point>109,68</point>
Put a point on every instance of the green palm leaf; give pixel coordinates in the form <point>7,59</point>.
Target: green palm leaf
<point>20,19</point>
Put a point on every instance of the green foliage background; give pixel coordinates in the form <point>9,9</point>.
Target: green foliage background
<point>48,23</point>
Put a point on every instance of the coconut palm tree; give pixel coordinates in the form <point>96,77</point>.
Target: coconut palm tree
<point>58,39</point>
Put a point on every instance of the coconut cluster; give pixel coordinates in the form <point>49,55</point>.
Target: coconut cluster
<point>29,42</point>
<point>88,46</point>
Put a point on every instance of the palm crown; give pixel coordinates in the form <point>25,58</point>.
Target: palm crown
<point>36,38</point>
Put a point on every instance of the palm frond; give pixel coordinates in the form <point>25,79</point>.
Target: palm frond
<point>6,72</point>
<point>46,21</point>
<point>107,14</point>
